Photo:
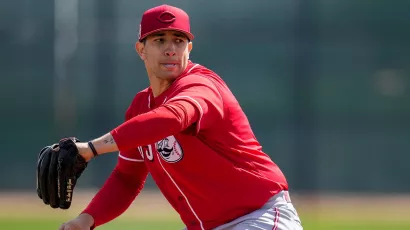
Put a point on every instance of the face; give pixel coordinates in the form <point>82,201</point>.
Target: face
<point>165,53</point>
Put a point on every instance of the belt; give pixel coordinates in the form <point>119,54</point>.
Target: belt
<point>286,196</point>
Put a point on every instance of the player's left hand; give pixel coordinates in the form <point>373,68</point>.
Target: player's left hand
<point>58,168</point>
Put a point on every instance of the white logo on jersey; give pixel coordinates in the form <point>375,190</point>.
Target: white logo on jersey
<point>169,149</point>
<point>147,150</point>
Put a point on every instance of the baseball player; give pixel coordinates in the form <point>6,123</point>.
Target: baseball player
<point>188,130</point>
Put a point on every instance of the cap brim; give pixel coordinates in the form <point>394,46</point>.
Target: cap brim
<point>189,35</point>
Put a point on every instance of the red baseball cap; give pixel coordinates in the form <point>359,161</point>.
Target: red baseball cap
<point>164,17</point>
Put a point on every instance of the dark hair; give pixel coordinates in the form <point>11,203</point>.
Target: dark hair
<point>144,41</point>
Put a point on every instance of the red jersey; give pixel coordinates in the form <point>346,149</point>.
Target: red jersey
<point>210,167</point>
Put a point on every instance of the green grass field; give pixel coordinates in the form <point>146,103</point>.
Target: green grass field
<point>151,211</point>
<point>24,224</point>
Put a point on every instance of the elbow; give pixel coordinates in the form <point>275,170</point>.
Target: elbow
<point>183,115</point>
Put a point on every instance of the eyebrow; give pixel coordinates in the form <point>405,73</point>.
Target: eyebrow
<point>176,34</point>
<point>159,34</point>
<point>179,34</point>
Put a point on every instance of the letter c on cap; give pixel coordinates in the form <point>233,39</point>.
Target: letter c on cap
<point>166,17</point>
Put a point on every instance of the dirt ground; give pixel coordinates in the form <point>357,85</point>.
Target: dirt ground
<point>149,204</point>
<point>152,205</point>
<point>355,207</point>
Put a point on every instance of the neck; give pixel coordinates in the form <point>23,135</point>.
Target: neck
<point>159,85</point>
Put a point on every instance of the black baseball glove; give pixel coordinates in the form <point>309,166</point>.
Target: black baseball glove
<point>58,168</point>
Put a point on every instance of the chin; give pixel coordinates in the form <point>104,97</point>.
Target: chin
<point>168,76</point>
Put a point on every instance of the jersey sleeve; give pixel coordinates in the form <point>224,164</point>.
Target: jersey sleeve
<point>203,94</point>
<point>118,192</point>
<point>130,155</point>
<point>155,125</point>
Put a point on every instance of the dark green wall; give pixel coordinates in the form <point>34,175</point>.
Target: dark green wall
<point>324,83</point>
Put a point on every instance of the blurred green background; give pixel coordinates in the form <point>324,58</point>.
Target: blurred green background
<point>325,84</point>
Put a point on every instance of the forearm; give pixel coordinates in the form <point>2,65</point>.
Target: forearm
<point>103,144</point>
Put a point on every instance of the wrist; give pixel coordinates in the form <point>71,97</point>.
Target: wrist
<point>84,150</point>
<point>93,150</point>
<point>87,219</point>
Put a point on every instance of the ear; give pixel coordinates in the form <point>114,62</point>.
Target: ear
<point>189,48</point>
<point>140,48</point>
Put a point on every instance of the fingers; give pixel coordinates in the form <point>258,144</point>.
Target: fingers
<point>40,171</point>
<point>43,176</point>
<point>73,225</point>
<point>67,226</point>
<point>52,181</point>
<point>62,227</point>
<point>38,178</point>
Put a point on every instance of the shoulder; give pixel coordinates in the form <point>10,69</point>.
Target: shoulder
<point>198,80</point>
<point>193,79</point>
<point>140,99</point>
<point>141,94</point>
<point>192,84</point>
<point>199,74</point>
<point>199,83</point>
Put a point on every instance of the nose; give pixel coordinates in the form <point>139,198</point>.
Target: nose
<point>170,53</point>
<point>170,49</point>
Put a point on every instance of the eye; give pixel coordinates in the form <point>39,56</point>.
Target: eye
<point>179,40</point>
<point>159,40</point>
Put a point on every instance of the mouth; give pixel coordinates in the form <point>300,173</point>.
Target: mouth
<point>169,65</point>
